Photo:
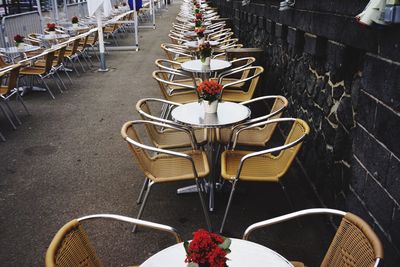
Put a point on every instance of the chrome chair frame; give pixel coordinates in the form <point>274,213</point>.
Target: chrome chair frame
<point>148,183</point>
<point>295,215</point>
<point>255,154</point>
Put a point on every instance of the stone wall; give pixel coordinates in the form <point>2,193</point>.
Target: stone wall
<point>344,80</point>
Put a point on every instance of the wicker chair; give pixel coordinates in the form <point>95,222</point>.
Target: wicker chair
<point>43,72</point>
<point>176,52</point>
<point>257,136</point>
<point>166,165</point>
<point>237,64</point>
<point>234,94</point>
<point>174,66</point>
<point>354,245</point>
<point>174,90</point>
<point>168,138</point>
<point>9,90</point>
<point>262,166</point>
<point>71,245</point>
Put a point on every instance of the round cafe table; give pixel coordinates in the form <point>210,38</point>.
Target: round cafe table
<point>243,254</point>
<point>195,44</point>
<point>193,115</point>
<point>196,67</point>
<point>52,37</point>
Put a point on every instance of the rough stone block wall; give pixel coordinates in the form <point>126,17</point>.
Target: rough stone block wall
<point>344,80</point>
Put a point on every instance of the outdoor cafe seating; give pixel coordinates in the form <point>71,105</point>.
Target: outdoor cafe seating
<point>209,129</point>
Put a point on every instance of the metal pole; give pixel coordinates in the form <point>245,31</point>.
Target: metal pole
<point>154,13</point>
<point>66,10</point>
<point>55,10</point>
<point>39,9</point>
<point>103,67</point>
<point>135,17</point>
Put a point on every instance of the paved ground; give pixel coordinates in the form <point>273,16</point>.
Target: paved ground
<point>68,159</point>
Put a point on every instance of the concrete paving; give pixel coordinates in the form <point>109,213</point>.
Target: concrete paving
<point>68,160</point>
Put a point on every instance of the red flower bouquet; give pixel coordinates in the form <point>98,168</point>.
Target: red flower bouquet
<point>51,27</point>
<point>207,249</point>
<point>199,16</point>
<point>209,90</point>
<point>200,32</point>
<point>74,20</point>
<point>18,38</point>
<point>205,51</point>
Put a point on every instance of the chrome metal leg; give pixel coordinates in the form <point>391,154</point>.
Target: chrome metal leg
<point>74,67</point>
<point>8,117</point>
<point>80,63</point>
<point>287,196</point>
<point>59,78</point>
<point>228,206</point>
<point>23,103</point>
<point>143,204</point>
<point>144,188</point>
<point>2,137</point>
<point>12,112</point>
<point>203,205</point>
<point>48,88</point>
<point>55,81</point>
<point>66,73</point>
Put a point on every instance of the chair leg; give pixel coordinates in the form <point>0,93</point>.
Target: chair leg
<point>48,88</point>
<point>228,206</point>
<point>55,81</point>
<point>287,196</point>
<point>144,188</point>
<point>12,112</point>
<point>80,63</point>
<point>66,73</point>
<point>73,66</point>
<point>8,117</point>
<point>203,205</point>
<point>59,78</point>
<point>143,204</point>
<point>2,137</point>
<point>23,103</point>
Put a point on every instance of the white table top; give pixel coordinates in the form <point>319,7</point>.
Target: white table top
<point>195,44</point>
<point>243,254</point>
<point>196,66</point>
<point>14,49</point>
<point>193,114</point>
<point>48,37</point>
<point>194,34</point>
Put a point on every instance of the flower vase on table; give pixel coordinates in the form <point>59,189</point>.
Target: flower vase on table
<point>207,250</point>
<point>75,22</point>
<point>209,93</point>
<point>205,53</point>
<point>19,42</point>
<point>51,28</point>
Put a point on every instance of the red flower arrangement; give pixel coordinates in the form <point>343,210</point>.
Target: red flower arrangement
<point>51,27</point>
<point>199,16</point>
<point>207,249</point>
<point>74,20</point>
<point>205,51</point>
<point>19,38</point>
<point>200,32</point>
<point>209,90</point>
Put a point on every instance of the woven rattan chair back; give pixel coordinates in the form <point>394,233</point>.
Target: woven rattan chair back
<point>49,58</point>
<point>285,158</point>
<point>13,78</point>
<point>355,245</point>
<point>60,55</point>
<point>141,156</point>
<point>71,247</point>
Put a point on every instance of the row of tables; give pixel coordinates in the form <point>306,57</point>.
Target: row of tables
<point>243,253</point>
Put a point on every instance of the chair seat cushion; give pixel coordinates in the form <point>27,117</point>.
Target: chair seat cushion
<point>167,168</point>
<point>260,168</point>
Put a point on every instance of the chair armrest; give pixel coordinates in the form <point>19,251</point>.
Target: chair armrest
<point>290,216</point>
<point>157,226</point>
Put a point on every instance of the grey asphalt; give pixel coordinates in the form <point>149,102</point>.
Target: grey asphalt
<point>68,159</point>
